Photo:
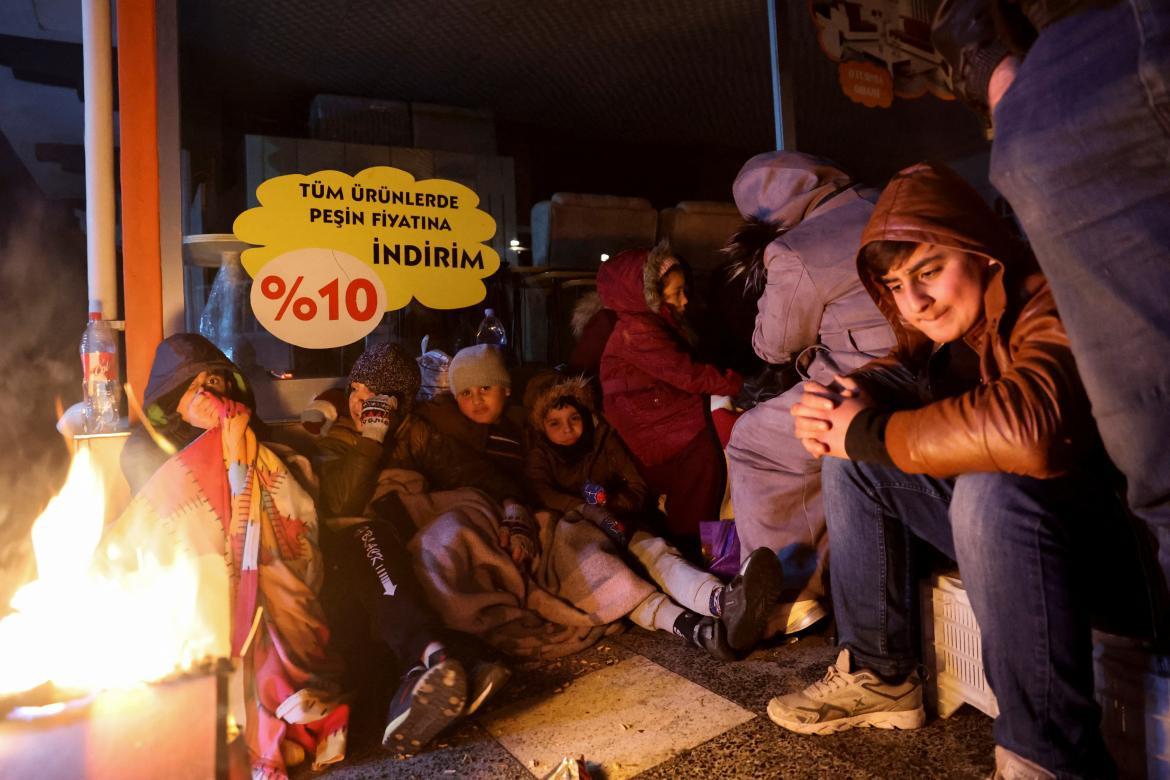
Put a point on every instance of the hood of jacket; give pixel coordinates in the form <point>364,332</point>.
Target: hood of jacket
<point>628,282</point>
<point>180,358</point>
<point>780,188</point>
<point>545,389</point>
<point>928,203</point>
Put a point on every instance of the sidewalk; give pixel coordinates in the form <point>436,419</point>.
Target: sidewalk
<point>642,705</point>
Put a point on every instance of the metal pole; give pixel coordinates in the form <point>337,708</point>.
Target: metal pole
<point>99,154</point>
<point>774,47</point>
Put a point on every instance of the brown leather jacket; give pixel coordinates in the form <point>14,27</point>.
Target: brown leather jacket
<point>1029,414</point>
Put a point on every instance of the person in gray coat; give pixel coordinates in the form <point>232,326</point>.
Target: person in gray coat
<point>804,218</point>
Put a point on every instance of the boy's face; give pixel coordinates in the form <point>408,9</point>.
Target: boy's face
<point>939,291</point>
<point>674,290</point>
<point>563,426</point>
<point>483,404</point>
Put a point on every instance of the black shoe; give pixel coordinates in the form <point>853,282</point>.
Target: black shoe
<point>748,600</point>
<point>712,636</point>
<point>428,699</point>
<point>487,677</point>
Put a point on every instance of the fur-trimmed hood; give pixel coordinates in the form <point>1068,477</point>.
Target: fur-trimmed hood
<point>544,389</point>
<point>629,282</point>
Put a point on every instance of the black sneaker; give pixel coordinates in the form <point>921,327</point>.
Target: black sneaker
<point>748,600</point>
<point>428,699</point>
<point>712,636</point>
<point>487,677</point>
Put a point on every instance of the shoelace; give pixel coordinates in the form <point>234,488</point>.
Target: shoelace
<point>834,680</point>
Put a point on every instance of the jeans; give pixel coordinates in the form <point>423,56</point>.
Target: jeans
<point>1023,548</point>
<point>1082,153</point>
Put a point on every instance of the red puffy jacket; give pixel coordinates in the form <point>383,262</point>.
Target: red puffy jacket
<point>653,390</point>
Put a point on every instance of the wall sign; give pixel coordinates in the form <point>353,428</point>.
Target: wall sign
<point>882,48</point>
<point>336,251</point>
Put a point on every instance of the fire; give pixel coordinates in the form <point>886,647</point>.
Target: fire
<point>102,613</point>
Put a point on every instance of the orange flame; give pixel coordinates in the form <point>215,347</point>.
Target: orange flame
<point>111,620</point>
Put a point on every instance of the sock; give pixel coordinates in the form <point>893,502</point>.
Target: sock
<point>716,601</point>
<point>685,624</point>
<point>891,679</point>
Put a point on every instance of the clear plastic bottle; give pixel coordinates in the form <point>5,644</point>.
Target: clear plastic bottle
<point>491,330</point>
<point>101,390</point>
<point>225,319</point>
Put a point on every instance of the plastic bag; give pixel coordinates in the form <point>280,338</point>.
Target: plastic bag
<point>720,547</point>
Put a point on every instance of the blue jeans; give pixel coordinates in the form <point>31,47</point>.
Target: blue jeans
<point>1022,546</point>
<point>1082,153</point>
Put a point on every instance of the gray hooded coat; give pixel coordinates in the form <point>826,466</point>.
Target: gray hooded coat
<point>814,310</point>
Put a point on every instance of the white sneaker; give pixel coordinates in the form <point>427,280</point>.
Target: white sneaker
<point>1012,766</point>
<point>845,700</point>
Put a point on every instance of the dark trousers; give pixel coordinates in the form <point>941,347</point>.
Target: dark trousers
<point>693,482</point>
<point>369,563</point>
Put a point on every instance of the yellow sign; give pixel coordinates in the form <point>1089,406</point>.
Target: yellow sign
<point>423,239</point>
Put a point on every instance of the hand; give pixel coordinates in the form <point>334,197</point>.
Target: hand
<point>608,522</point>
<point>374,421</point>
<point>1001,78</point>
<point>823,415</point>
<point>203,410</point>
<point>517,534</point>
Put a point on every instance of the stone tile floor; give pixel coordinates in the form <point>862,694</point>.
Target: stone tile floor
<point>644,705</point>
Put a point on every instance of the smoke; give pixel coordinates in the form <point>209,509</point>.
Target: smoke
<point>42,313</point>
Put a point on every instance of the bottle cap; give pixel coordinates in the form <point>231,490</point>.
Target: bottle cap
<point>489,312</point>
<point>95,308</point>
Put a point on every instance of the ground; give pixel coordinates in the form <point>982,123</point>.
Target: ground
<point>644,705</point>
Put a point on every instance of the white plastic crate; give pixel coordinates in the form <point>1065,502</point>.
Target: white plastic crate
<point>952,651</point>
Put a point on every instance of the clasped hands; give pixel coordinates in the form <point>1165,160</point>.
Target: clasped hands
<point>823,415</point>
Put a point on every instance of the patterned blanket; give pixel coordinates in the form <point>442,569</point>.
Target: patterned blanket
<point>228,496</point>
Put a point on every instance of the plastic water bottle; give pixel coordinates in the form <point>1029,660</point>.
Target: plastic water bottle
<point>491,330</point>
<point>100,388</point>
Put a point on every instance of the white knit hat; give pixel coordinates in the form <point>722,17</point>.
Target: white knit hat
<point>479,366</point>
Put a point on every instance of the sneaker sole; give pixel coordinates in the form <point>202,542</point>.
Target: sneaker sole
<point>762,581</point>
<point>437,702</point>
<point>810,618</point>
<point>902,720</point>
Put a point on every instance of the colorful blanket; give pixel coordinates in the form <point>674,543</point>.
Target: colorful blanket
<point>229,496</point>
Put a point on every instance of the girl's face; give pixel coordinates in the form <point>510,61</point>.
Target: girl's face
<point>674,290</point>
<point>483,404</point>
<point>563,426</point>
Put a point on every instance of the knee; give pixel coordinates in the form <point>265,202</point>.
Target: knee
<point>989,508</point>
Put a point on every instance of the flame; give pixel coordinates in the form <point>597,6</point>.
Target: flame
<point>91,622</point>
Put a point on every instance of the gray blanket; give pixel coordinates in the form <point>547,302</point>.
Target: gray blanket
<point>576,591</point>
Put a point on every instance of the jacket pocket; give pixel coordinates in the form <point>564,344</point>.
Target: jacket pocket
<point>874,340</point>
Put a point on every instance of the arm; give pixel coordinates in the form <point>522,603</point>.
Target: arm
<point>627,494</point>
<point>790,307</point>
<point>348,469</point>
<point>447,464</point>
<point>964,33</point>
<point>1033,420</point>
<point>652,350</point>
<point>539,473</point>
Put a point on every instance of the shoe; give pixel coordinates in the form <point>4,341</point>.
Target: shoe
<point>428,699</point>
<point>1012,766</point>
<point>711,635</point>
<point>795,617</point>
<point>747,601</point>
<point>845,700</point>
<point>487,677</point>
